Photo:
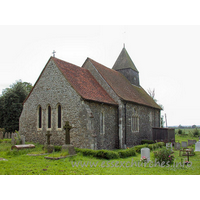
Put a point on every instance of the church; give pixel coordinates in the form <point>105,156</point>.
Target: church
<point>106,108</point>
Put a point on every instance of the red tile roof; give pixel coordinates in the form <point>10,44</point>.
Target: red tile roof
<point>83,82</point>
<point>123,88</point>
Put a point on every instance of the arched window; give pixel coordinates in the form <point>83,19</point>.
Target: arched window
<point>59,116</point>
<point>39,117</point>
<point>49,117</point>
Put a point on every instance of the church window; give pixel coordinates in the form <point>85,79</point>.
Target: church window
<point>135,121</point>
<point>39,117</point>
<point>49,117</point>
<point>59,116</point>
<point>102,123</point>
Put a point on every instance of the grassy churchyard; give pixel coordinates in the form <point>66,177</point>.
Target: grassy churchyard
<point>25,162</point>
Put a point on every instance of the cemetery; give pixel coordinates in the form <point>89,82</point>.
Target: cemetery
<point>20,157</point>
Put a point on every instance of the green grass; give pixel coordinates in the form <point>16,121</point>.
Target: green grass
<point>18,162</point>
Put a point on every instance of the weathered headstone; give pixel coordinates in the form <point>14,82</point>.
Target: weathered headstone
<point>184,144</point>
<point>1,135</point>
<point>67,146</point>
<point>8,136</point>
<point>22,139</point>
<point>197,146</point>
<point>169,146</point>
<point>5,135</point>
<point>177,146</point>
<point>145,152</point>
<point>190,142</point>
<point>13,140</point>
<point>48,146</point>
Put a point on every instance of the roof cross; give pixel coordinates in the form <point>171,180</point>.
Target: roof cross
<point>54,53</point>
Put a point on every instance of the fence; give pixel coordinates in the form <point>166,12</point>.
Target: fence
<point>164,135</point>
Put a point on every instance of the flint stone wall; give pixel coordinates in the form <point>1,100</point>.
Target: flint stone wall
<point>53,89</point>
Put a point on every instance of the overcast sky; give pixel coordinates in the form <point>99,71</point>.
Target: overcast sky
<point>167,58</point>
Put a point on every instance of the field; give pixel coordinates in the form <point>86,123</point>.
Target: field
<point>18,162</point>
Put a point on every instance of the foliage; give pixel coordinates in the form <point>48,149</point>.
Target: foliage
<point>124,153</point>
<point>57,148</point>
<point>180,131</point>
<point>150,146</point>
<point>107,154</point>
<point>195,132</point>
<point>11,105</point>
<point>164,155</point>
<point>147,141</point>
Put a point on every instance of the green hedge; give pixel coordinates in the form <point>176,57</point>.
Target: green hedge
<point>147,142</point>
<point>150,146</point>
<point>108,154</point>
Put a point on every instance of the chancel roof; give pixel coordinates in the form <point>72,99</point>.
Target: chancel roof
<point>83,82</point>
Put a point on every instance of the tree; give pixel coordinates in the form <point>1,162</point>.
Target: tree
<point>11,105</point>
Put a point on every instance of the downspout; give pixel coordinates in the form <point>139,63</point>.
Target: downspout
<point>125,125</point>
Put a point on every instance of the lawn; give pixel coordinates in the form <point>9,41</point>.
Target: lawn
<point>18,162</point>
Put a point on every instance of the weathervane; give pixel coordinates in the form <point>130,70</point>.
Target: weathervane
<point>54,53</point>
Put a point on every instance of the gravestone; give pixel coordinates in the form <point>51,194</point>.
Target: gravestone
<point>67,146</point>
<point>48,146</point>
<point>197,146</point>
<point>13,140</point>
<point>184,144</point>
<point>190,142</point>
<point>5,135</point>
<point>145,152</point>
<point>177,146</point>
<point>8,136</point>
<point>22,139</point>
<point>169,146</point>
<point>1,135</point>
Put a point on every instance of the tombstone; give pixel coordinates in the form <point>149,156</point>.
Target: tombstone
<point>184,144</point>
<point>13,140</point>
<point>177,146</point>
<point>48,146</point>
<point>197,146</point>
<point>145,152</point>
<point>5,135</point>
<point>1,135</point>
<point>22,139</point>
<point>67,146</point>
<point>169,146</point>
<point>190,142</point>
<point>8,135</point>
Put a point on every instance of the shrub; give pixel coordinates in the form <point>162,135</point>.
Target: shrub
<point>127,153</point>
<point>164,155</point>
<point>57,148</point>
<point>147,142</point>
<point>107,154</point>
<point>180,131</point>
<point>150,146</point>
<point>195,132</point>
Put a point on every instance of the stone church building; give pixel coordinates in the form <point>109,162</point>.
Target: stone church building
<point>107,108</point>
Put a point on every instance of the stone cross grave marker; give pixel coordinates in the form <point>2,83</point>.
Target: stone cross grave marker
<point>48,137</point>
<point>184,144</point>
<point>177,145</point>
<point>67,128</point>
<point>145,152</point>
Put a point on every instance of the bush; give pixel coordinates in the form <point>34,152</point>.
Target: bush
<point>164,155</point>
<point>107,154</point>
<point>195,132</point>
<point>127,153</point>
<point>57,148</point>
<point>180,131</point>
<point>147,142</point>
<point>150,146</point>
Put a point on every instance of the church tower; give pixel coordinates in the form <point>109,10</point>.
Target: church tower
<point>125,66</point>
